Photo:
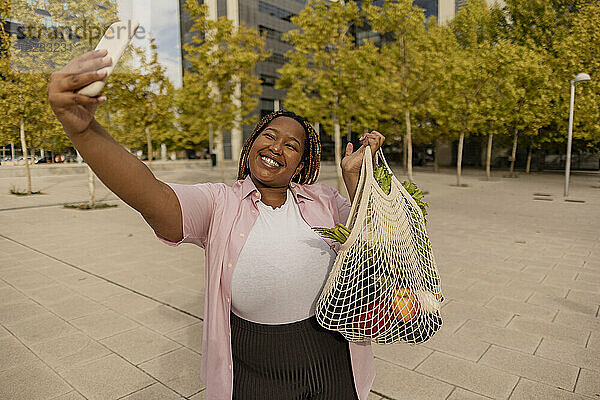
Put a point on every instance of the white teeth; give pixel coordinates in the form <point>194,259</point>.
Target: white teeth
<point>270,161</point>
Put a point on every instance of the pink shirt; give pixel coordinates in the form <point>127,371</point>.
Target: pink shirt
<point>218,218</point>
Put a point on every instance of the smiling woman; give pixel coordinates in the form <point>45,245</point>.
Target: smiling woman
<point>265,266</point>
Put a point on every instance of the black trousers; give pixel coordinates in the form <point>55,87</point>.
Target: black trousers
<point>299,360</point>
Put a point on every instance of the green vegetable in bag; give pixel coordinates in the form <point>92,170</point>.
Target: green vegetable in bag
<point>383,177</point>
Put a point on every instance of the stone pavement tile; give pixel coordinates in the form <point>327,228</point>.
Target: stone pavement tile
<point>190,337</point>
<point>51,294</point>
<point>110,377</point>
<point>511,291</point>
<point>13,313</point>
<point>164,319</point>
<point>517,307</point>
<point>31,381</point>
<point>529,390</point>
<point>562,273</point>
<point>139,345</point>
<point>31,281</point>
<point>184,299</point>
<point>456,311</point>
<point>578,285</point>
<point>581,321</point>
<point>41,327</point>
<point>469,375</point>
<point>75,306</point>
<point>193,282</point>
<point>129,303</point>
<point>371,396</point>
<point>490,277</point>
<point>70,396</point>
<point>68,351</point>
<point>101,291</point>
<point>589,277</point>
<point>77,279</point>
<point>202,396</point>
<point>570,354</point>
<point>583,297</point>
<point>104,324</point>
<point>137,281</point>
<point>4,333</point>
<point>475,296</point>
<point>179,370</point>
<point>560,303</point>
<point>154,392</point>
<point>405,355</point>
<point>462,394</point>
<point>550,330</point>
<point>504,337</point>
<point>462,282</point>
<point>14,354</point>
<point>589,383</point>
<point>531,367</point>
<point>8,295</point>
<point>163,274</point>
<point>529,287</point>
<point>594,341</point>
<point>465,347</point>
<point>400,383</point>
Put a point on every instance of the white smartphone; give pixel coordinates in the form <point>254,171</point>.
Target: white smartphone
<point>115,40</point>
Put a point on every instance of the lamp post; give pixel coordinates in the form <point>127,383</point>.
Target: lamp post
<point>579,78</point>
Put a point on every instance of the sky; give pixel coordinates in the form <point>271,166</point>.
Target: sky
<point>161,19</point>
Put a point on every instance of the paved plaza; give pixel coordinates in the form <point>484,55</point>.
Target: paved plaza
<point>93,306</point>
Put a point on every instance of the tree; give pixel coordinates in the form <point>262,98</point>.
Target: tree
<point>327,74</point>
<point>143,103</point>
<point>224,57</point>
<point>472,68</point>
<point>578,52</point>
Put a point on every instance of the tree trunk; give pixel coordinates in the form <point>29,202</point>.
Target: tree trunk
<point>25,155</point>
<point>461,142</point>
<point>338,151</point>
<point>488,159</point>
<point>514,153</point>
<point>528,167</point>
<point>149,143</point>
<point>404,155</point>
<point>408,146</point>
<point>91,187</point>
<point>436,160</point>
<point>12,151</point>
<point>236,131</point>
<point>220,151</point>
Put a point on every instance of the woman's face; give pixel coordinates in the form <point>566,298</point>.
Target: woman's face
<point>276,154</point>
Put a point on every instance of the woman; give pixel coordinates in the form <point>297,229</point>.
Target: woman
<point>260,336</point>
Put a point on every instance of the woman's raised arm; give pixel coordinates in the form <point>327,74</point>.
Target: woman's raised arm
<point>119,170</point>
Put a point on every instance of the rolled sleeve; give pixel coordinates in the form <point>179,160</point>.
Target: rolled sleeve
<point>197,208</point>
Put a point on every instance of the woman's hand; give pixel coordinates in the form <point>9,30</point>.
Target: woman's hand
<point>352,162</point>
<point>76,111</point>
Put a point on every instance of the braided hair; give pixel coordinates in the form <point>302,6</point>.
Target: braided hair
<point>312,148</point>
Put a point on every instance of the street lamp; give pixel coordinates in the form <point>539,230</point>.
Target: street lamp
<point>579,78</point>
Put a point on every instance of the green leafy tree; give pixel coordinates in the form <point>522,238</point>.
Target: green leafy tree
<point>471,70</point>
<point>143,103</point>
<point>327,75</point>
<point>224,57</point>
<point>578,52</point>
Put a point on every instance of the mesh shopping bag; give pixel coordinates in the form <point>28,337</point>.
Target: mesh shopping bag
<point>384,285</point>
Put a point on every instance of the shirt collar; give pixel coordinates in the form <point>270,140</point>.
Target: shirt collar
<point>298,190</point>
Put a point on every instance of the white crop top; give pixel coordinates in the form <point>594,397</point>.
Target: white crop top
<point>282,267</point>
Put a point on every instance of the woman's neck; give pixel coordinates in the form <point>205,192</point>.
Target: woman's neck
<point>271,196</point>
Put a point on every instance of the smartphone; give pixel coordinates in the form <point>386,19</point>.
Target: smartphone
<point>115,40</point>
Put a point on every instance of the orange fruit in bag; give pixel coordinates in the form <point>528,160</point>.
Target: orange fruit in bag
<point>406,305</point>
